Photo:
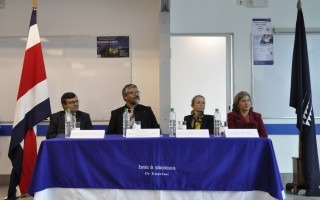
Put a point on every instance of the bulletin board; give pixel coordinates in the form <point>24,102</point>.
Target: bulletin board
<point>72,65</point>
<point>272,83</point>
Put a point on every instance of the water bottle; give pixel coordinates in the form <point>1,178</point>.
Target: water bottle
<point>172,123</point>
<point>216,123</point>
<point>223,128</point>
<point>68,123</point>
<point>125,121</point>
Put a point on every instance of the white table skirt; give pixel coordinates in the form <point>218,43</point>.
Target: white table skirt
<point>117,194</point>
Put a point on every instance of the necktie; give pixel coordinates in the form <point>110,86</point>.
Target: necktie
<point>131,117</point>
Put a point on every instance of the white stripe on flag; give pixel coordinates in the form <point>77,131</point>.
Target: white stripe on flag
<point>34,37</point>
<point>32,98</point>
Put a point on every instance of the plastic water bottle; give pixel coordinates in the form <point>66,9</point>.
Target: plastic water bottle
<point>216,123</point>
<point>223,128</point>
<point>125,121</point>
<point>68,123</point>
<point>172,123</point>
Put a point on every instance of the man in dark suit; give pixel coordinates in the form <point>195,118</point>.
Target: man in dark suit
<point>131,96</point>
<point>56,126</point>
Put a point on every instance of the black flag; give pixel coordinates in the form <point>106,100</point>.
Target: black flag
<point>301,100</point>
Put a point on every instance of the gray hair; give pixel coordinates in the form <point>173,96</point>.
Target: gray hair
<point>126,88</point>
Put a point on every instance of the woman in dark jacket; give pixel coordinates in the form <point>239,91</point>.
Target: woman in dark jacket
<point>197,119</point>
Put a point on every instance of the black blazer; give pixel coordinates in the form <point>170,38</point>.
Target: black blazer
<point>141,113</point>
<point>56,126</point>
<point>207,122</point>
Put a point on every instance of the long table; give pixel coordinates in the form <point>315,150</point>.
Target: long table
<point>157,168</point>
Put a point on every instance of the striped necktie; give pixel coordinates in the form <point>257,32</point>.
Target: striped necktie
<point>131,117</point>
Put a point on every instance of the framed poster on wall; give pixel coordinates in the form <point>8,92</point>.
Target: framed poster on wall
<point>112,46</point>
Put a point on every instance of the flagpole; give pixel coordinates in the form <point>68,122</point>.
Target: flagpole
<point>299,7</point>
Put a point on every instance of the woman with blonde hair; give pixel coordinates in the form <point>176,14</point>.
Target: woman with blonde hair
<point>197,119</point>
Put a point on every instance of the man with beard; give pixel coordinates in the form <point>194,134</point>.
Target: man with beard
<point>138,112</point>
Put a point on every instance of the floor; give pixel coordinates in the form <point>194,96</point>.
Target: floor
<point>300,196</point>
<point>4,190</point>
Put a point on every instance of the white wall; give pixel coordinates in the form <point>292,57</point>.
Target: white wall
<point>137,18</point>
<point>216,16</point>
<point>193,60</point>
<point>140,18</point>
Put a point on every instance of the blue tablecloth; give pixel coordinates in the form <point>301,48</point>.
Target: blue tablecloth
<point>217,164</point>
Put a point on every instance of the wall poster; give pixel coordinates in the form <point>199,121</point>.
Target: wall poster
<point>262,42</point>
<point>112,46</point>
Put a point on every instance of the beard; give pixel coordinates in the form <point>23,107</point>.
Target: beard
<point>135,101</point>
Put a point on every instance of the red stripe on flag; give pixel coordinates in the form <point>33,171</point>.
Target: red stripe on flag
<point>28,160</point>
<point>33,71</point>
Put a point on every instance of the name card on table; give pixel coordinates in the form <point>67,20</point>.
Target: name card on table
<point>143,133</point>
<point>192,133</point>
<point>87,134</point>
<point>241,133</point>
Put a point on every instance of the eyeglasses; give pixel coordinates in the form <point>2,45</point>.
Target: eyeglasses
<point>134,92</point>
<point>73,102</point>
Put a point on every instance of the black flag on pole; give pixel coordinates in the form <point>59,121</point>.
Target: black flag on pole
<point>301,100</point>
